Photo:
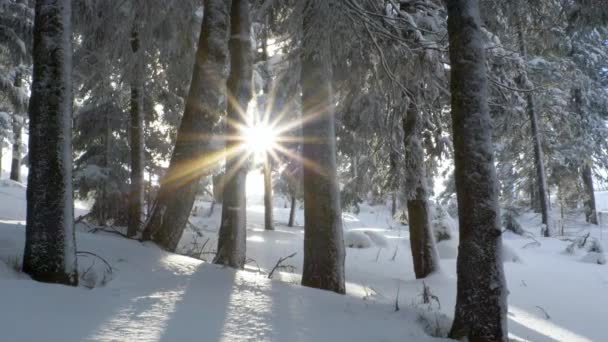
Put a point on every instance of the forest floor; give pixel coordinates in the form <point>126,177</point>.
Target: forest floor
<point>151,295</point>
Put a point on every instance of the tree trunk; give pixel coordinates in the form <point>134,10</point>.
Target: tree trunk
<point>16,158</point>
<point>292,211</point>
<point>193,156</point>
<point>590,209</point>
<point>136,135</point>
<point>541,178</point>
<point>323,241</point>
<point>232,234</point>
<point>481,303</point>
<point>50,244</point>
<point>422,240</point>
<point>268,215</point>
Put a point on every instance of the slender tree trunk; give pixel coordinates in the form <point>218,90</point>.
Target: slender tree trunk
<point>422,240</point>
<point>268,207</point>
<point>16,160</point>
<point>481,301</point>
<point>136,135</point>
<point>323,241</point>
<point>541,178</point>
<point>50,244</point>
<point>590,209</point>
<point>268,215</point>
<point>292,211</point>
<point>232,234</point>
<point>193,156</point>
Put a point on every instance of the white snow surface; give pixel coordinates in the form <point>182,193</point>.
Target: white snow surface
<point>157,296</point>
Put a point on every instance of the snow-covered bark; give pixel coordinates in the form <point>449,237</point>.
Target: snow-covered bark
<point>590,209</point>
<point>422,239</point>
<point>136,139</point>
<point>232,234</point>
<point>267,79</point>
<point>192,154</point>
<point>323,241</point>
<point>541,175</point>
<point>481,303</point>
<point>50,245</point>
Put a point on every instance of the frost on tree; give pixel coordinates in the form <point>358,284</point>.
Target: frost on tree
<point>193,155</point>
<point>323,241</point>
<point>481,304</point>
<point>232,234</point>
<point>50,246</point>
<point>422,240</point>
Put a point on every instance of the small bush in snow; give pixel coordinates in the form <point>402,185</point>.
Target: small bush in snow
<point>590,245</point>
<point>357,239</point>
<point>443,224</point>
<point>509,221</point>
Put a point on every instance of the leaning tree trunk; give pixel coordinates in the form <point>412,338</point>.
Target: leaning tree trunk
<point>136,136</point>
<point>193,156</point>
<point>541,176</point>
<point>481,308</point>
<point>323,243</point>
<point>50,244</point>
<point>16,160</point>
<point>422,240</point>
<point>231,244</point>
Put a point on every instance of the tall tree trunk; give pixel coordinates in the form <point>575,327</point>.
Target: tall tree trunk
<point>292,211</point>
<point>136,135</point>
<point>268,215</point>
<point>422,240</point>
<point>268,207</point>
<point>193,156</point>
<point>16,158</point>
<point>50,244</point>
<point>481,301</point>
<point>590,209</point>
<point>323,242</point>
<point>232,234</point>
<point>541,177</point>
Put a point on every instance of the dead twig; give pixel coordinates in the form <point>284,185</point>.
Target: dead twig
<point>281,260</point>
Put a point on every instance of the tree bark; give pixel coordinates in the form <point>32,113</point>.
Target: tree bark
<point>422,240</point>
<point>136,135</point>
<point>541,178</point>
<point>16,157</point>
<point>193,155</point>
<point>292,211</point>
<point>50,244</point>
<point>481,303</point>
<point>231,246</point>
<point>268,214</point>
<point>590,209</point>
<point>323,237</point>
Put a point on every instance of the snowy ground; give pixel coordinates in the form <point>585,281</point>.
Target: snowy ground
<point>152,295</point>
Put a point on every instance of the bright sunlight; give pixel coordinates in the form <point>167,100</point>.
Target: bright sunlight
<point>260,138</point>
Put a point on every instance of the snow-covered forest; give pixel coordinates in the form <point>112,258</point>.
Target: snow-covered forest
<point>303,170</point>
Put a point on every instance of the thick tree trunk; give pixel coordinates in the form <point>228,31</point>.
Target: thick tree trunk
<point>323,242</point>
<point>136,135</point>
<point>50,245</point>
<point>193,155</point>
<point>481,303</point>
<point>292,211</point>
<point>422,240</point>
<point>16,157</point>
<point>268,215</point>
<point>590,209</point>
<point>541,178</point>
<point>232,234</point>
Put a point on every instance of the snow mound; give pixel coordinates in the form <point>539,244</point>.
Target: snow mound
<point>357,239</point>
<point>377,238</point>
<point>509,255</point>
<point>443,224</point>
<point>7,183</point>
<point>447,249</point>
<point>594,258</point>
